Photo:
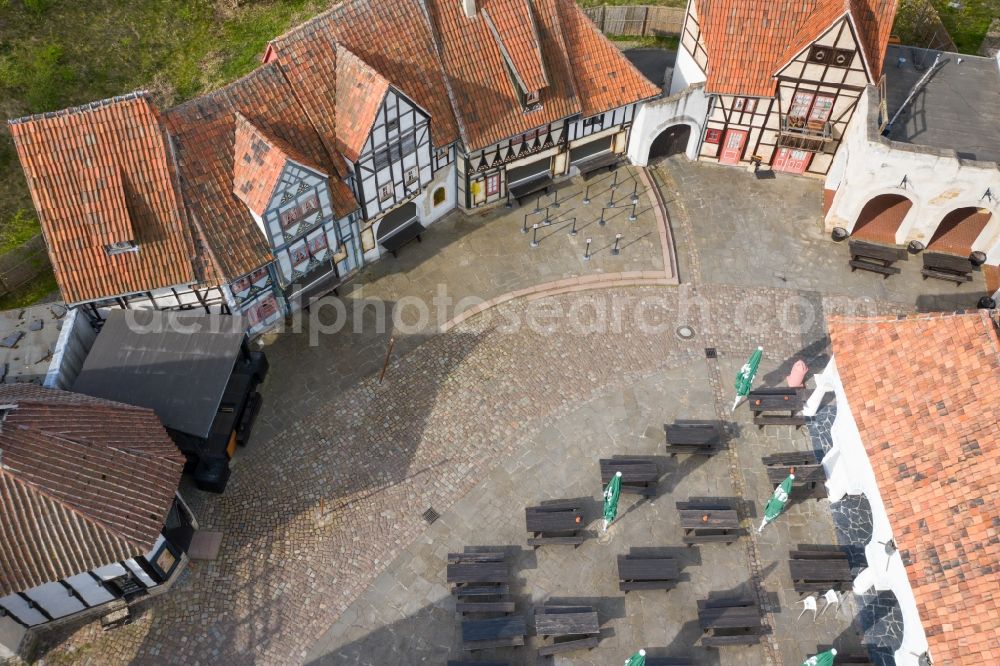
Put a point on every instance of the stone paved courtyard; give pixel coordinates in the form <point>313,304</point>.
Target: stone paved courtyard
<point>322,518</point>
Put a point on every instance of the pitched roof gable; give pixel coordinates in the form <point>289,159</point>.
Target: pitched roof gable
<point>360,93</point>
<point>748,41</point>
<point>83,482</point>
<point>509,25</point>
<point>923,391</point>
<point>100,174</point>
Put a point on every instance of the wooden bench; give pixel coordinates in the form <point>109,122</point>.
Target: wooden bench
<point>948,267</point>
<point>777,399</point>
<point>478,574</point>
<point>810,478</point>
<point>694,437</point>
<point>578,625</point>
<point>875,258</point>
<point>709,520</point>
<point>641,569</point>
<point>507,631</point>
<point>452,662</point>
<point>729,621</point>
<point>556,522</point>
<point>668,661</point>
<point>492,590</point>
<point>504,607</point>
<point>536,184</point>
<point>592,165</point>
<point>818,568</point>
<point>407,234</point>
<point>639,474</point>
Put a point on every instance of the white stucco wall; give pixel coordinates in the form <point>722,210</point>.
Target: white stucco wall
<point>427,212</point>
<point>849,471</point>
<point>937,182</point>
<point>686,72</point>
<point>688,107</point>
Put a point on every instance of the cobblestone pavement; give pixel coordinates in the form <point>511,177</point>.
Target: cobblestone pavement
<point>314,517</point>
<point>770,233</point>
<point>465,259</point>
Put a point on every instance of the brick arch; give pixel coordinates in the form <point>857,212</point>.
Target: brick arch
<point>958,230</point>
<point>881,217</point>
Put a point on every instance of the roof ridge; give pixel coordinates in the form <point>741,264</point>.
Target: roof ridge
<point>83,108</point>
<point>445,77</point>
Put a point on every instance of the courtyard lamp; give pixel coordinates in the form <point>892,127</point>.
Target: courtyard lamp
<point>744,378</point>
<point>611,494</point>
<point>638,659</point>
<point>777,503</point>
<point>821,659</point>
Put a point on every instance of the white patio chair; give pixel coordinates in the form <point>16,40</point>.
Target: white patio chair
<point>809,603</point>
<point>830,597</point>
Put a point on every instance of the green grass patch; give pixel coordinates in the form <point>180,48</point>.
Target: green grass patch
<point>21,227</point>
<point>669,42</point>
<point>33,292</point>
<point>968,23</point>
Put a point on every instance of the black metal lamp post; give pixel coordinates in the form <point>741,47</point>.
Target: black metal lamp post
<point>534,235</point>
<point>615,251</point>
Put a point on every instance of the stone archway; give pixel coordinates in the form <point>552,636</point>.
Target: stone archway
<point>671,141</point>
<point>958,230</point>
<point>881,217</point>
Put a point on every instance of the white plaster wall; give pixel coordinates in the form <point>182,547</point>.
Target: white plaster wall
<point>427,212</point>
<point>937,182</point>
<point>849,471</point>
<point>686,72</point>
<point>689,107</point>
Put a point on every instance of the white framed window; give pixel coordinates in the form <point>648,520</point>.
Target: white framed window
<point>121,247</point>
<point>411,175</point>
<point>385,192</point>
<point>531,98</point>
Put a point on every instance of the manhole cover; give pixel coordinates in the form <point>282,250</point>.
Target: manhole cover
<point>430,515</point>
<point>685,332</point>
<point>710,352</point>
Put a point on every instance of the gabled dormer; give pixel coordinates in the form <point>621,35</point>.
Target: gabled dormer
<point>521,49</point>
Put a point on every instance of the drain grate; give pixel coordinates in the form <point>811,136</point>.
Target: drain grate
<point>710,352</point>
<point>430,515</point>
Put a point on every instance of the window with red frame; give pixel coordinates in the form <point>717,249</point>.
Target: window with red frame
<point>713,136</point>
<point>492,184</point>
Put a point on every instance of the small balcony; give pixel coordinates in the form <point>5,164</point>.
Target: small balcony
<point>802,134</point>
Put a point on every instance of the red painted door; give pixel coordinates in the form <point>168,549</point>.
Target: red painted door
<point>792,161</point>
<point>732,146</point>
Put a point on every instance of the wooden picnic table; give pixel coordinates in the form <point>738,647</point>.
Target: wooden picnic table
<point>735,621</point>
<point>494,632</point>
<point>818,568</point>
<point>452,662</point>
<point>477,572</point>
<point>777,399</point>
<point>948,267</point>
<point>407,234</point>
<point>644,570</point>
<point>555,522</point>
<point>579,625</point>
<point>692,436</point>
<point>588,167</point>
<point>639,474</point>
<point>668,661</point>
<point>875,257</point>
<point>810,477</point>
<point>541,182</point>
<point>706,520</point>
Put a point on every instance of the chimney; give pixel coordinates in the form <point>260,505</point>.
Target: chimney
<point>470,8</point>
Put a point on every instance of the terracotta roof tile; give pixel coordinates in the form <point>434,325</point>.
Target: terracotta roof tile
<point>360,91</point>
<point>514,28</point>
<point>924,392</point>
<point>749,41</point>
<point>83,482</point>
<point>101,174</point>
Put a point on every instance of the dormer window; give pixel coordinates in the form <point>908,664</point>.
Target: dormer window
<point>121,247</point>
<point>531,98</point>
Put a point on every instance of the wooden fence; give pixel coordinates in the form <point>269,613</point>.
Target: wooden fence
<point>638,20</point>
<point>22,265</point>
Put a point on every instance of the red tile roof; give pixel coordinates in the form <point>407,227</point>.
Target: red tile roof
<point>924,392</point>
<point>84,482</point>
<point>360,92</point>
<point>100,174</point>
<point>205,131</point>
<point>452,65</point>
<point>258,162</point>
<point>749,41</point>
<point>516,33</point>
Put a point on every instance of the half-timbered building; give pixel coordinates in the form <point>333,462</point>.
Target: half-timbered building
<point>783,78</point>
<point>366,123</point>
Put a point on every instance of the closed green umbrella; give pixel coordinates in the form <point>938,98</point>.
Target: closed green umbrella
<point>611,494</point>
<point>777,503</point>
<point>822,659</point>
<point>638,659</point>
<point>744,378</point>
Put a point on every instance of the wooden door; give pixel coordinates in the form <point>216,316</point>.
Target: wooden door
<point>790,160</point>
<point>732,146</point>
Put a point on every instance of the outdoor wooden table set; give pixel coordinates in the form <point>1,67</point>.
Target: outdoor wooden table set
<point>480,582</point>
<point>646,569</point>
<point>948,267</point>
<point>810,478</point>
<point>734,621</point>
<point>569,627</point>
<point>709,519</point>
<point>556,522</point>
<point>765,401</point>
<point>693,437</point>
<point>818,568</point>
<point>875,257</point>
<point>639,474</point>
